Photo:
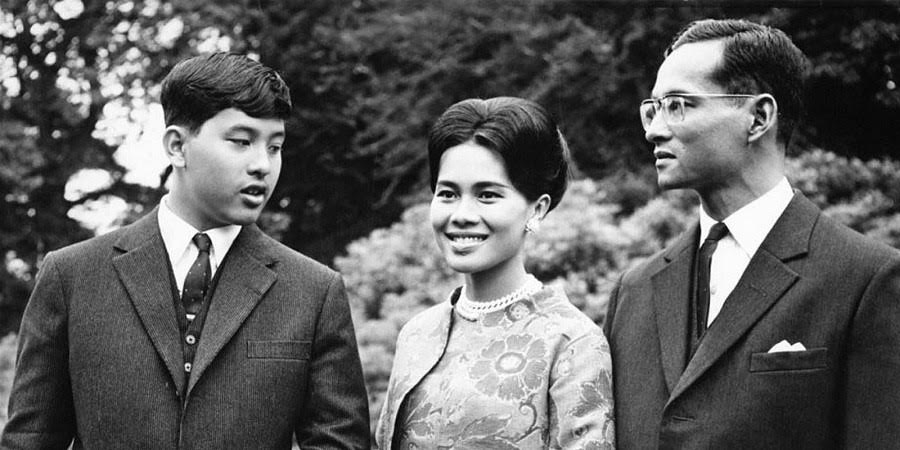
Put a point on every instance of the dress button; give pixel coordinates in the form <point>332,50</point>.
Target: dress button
<point>187,367</point>
<point>190,339</point>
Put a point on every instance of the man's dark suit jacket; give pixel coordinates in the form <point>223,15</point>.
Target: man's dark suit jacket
<point>812,281</point>
<point>100,358</point>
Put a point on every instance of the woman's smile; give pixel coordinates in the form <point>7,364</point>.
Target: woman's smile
<point>462,242</point>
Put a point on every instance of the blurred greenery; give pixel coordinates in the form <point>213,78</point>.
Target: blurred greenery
<point>7,363</point>
<point>368,77</point>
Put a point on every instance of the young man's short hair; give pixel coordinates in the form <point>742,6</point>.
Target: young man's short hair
<point>200,87</point>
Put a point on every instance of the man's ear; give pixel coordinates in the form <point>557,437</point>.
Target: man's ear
<point>174,140</point>
<point>764,116</point>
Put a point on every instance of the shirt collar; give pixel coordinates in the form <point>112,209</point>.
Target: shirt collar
<point>750,225</point>
<point>177,234</point>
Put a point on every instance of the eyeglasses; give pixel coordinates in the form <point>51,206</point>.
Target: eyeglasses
<point>672,106</point>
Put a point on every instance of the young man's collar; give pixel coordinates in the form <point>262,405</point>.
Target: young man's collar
<point>177,234</point>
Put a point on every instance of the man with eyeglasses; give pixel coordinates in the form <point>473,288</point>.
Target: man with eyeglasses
<point>766,325</point>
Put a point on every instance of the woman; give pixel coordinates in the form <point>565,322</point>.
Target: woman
<point>507,362</point>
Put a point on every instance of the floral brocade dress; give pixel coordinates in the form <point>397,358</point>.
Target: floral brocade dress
<point>534,375</point>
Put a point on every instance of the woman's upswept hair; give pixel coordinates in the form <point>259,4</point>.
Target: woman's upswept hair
<point>522,132</point>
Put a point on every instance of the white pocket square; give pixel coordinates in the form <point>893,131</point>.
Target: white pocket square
<point>785,346</point>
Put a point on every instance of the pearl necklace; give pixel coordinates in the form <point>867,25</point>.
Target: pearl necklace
<point>472,310</point>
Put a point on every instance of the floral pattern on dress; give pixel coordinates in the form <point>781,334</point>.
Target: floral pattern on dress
<point>593,399</point>
<point>535,375</point>
<point>519,310</point>
<point>484,433</point>
<point>510,368</point>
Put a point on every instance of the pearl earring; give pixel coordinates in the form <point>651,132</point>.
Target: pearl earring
<point>532,226</point>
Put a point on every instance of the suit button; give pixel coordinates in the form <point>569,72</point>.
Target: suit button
<point>190,339</point>
<point>187,367</point>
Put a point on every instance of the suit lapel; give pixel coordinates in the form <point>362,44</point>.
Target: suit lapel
<point>246,276</point>
<point>671,298</point>
<point>765,281</point>
<point>144,270</point>
<point>762,284</point>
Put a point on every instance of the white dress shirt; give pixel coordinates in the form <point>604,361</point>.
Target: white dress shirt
<point>177,235</point>
<point>747,228</point>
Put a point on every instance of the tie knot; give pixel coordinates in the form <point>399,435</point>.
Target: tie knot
<point>718,231</point>
<point>201,240</point>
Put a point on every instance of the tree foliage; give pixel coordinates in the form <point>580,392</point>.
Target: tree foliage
<point>7,366</point>
<point>864,195</point>
<point>368,77</point>
<point>62,68</point>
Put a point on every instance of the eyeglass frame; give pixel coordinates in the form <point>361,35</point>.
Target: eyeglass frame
<point>657,105</point>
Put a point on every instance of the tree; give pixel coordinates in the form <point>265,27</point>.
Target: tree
<point>62,63</point>
<point>397,65</point>
<point>368,77</point>
<point>7,364</point>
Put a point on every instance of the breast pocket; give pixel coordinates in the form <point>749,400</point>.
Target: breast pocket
<point>812,359</point>
<point>290,350</point>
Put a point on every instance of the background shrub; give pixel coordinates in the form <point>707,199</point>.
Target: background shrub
<point>7,362</point>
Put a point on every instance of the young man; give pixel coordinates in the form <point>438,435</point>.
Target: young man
<point>789,338</point>
<point>191,328</point>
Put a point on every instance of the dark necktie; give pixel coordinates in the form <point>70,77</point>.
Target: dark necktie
<point>197,280</point>
<point>704,260</point>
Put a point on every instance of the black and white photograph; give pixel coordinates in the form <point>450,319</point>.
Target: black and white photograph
<point>450,224</point>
